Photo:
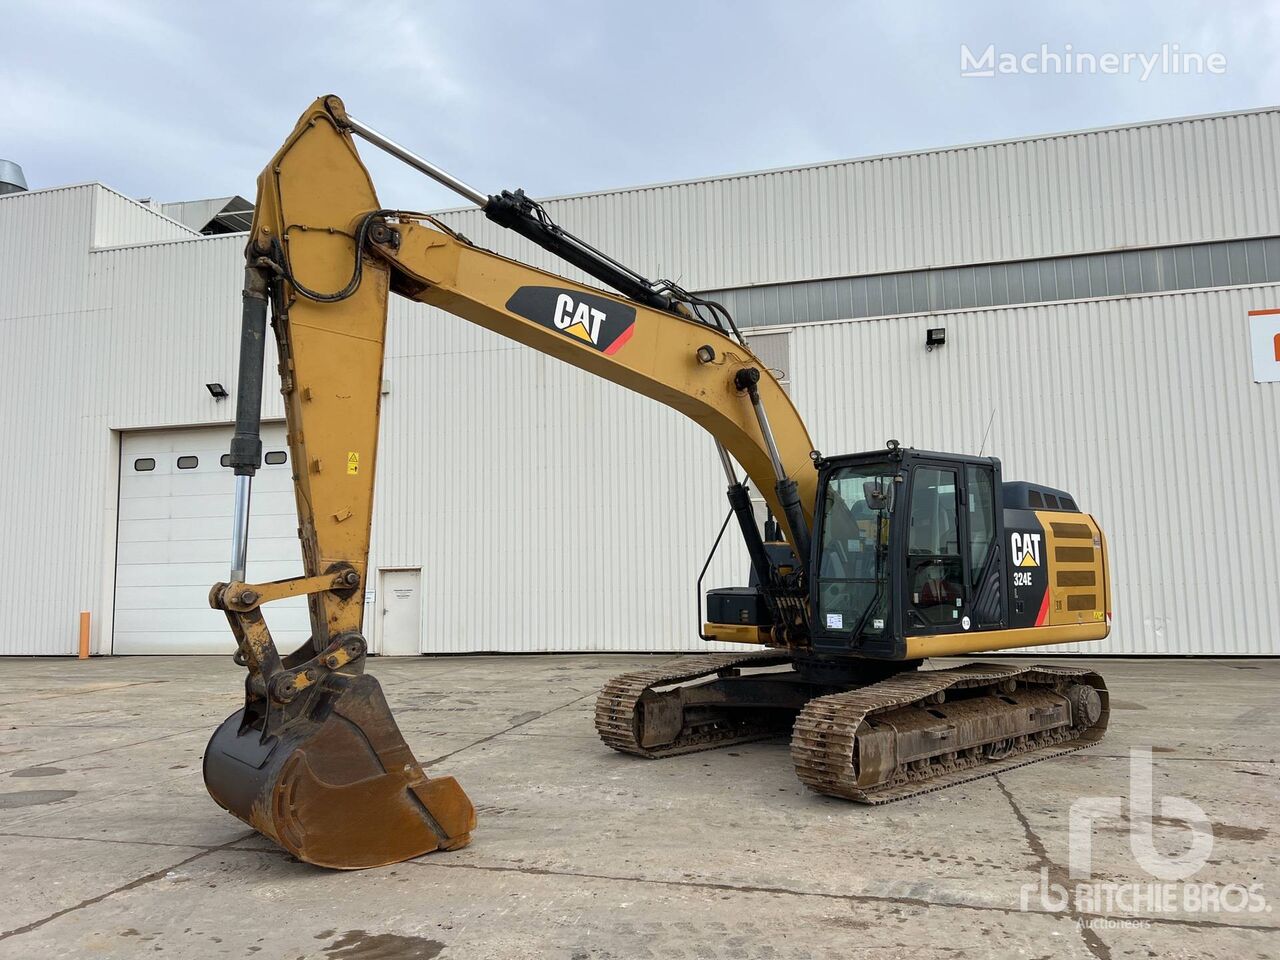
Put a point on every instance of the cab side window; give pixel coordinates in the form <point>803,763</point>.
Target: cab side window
<point>935,570</point>
<point>849,531</point>
<point>982,520</point>
<point>853,536</point>
<point>985,578</point>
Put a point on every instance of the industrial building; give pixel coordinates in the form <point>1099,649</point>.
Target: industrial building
<point>1100,298</point>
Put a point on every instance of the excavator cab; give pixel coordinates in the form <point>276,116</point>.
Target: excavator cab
<point>917,553</point>
<point>958,558</point>
<point>907,541</point>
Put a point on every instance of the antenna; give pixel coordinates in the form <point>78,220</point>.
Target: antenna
<point>990,420</point>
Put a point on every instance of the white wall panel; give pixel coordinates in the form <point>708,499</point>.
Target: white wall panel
<point>548,509</point>
<point>1177,181</point>
<point>551,511</point>
<point>44,241</point>
<point>51,526</point>
<point>119,220</point>
<point>1144,408</point>
<point>97,342</point>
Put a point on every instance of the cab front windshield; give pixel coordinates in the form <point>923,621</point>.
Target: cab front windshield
<point>853,559</point>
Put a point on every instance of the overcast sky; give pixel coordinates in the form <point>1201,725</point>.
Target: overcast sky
<point>177,101</point>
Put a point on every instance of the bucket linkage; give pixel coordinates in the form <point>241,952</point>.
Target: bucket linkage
<point>315,761</point>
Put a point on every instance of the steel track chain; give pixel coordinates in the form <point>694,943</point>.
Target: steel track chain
<point>822,746</point>
<point>822,743</point>
<point>616,706</point>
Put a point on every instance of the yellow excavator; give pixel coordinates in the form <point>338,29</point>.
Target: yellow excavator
<point>867,564</point>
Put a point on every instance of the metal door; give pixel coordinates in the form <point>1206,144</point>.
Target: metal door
<point>400,604</point>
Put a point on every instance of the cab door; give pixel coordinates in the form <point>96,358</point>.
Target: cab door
<point>983,524</point>
<point>953,570</point>
<point>936,587</point>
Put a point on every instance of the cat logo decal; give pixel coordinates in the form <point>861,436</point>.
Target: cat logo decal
<point>594,320</point>
<point>1026,549</point>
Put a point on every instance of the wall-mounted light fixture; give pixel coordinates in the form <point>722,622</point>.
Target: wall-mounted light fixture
<point>217,391</point>
<point>935,337</point>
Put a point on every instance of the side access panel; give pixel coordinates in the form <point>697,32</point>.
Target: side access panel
<point>1057,569</point>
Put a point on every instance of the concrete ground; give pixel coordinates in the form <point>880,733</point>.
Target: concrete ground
<point>110,846</point>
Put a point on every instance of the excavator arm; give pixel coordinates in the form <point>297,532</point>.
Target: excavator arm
<point>315,760</point>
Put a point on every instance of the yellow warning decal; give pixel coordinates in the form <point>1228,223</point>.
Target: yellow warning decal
<point>353,463</point>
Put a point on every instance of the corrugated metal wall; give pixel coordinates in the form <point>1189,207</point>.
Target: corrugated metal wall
<point>552,511</point>
<point>43,279</point>
<point>96,341</point>
<point>1144,408</point>
<point>118,220</point>
<point>548,509</point>
<point>1172,182</point>
<point>44,242</point>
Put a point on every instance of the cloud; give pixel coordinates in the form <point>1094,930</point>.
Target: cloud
<point>178,101</point>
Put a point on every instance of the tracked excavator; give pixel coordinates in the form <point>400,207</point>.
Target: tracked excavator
<point>868,564</point>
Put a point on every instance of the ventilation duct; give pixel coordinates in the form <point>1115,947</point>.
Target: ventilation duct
<point>11,178</point>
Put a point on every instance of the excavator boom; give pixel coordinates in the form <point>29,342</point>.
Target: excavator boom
<point>315,760</point>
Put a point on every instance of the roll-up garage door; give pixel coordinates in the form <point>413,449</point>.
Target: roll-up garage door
<point>174,541</point>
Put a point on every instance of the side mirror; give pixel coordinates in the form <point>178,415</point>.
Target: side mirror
<point>876,494</point>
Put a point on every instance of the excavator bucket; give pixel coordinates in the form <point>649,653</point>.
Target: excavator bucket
<point>337,786</point>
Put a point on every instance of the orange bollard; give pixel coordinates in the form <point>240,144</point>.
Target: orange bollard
<point>84,634</point>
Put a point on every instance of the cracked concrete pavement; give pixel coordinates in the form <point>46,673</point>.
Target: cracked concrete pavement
<point>111,847</point>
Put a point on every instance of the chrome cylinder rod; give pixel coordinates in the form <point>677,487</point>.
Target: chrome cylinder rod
<point>779,471</point>
<point>730,473</point>
<point>417,162</point>
<point>786,488</point>
<point>240,529</point>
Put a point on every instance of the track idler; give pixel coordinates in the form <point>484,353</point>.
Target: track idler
<point>335,785</point>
